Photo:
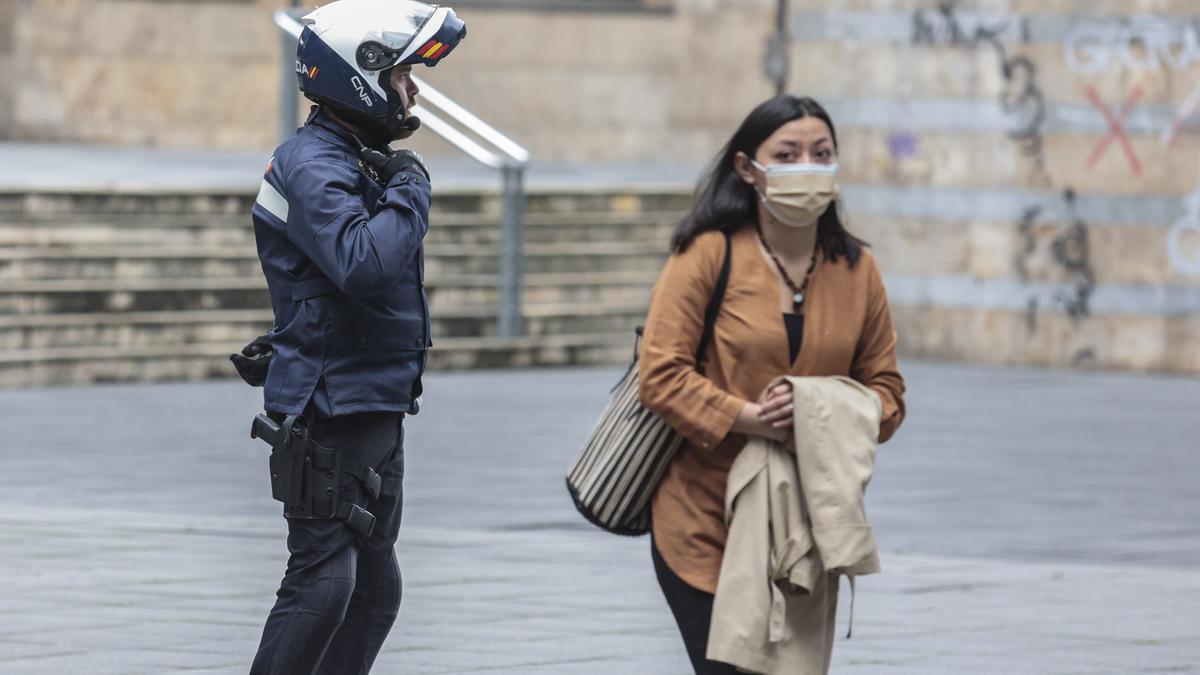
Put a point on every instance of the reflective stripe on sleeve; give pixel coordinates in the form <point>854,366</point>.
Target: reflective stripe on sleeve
<point>270,199</point>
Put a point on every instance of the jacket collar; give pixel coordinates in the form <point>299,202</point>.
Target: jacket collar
<point>319,120</point>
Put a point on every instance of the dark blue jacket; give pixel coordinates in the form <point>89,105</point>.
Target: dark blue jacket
<point>345,266</point>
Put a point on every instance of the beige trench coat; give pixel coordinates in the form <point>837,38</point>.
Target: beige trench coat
<point>796,521</point>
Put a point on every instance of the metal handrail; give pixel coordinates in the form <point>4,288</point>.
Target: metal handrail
<point>509,158</point>
<point>468,119</point>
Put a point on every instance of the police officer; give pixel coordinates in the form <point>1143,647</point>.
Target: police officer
<point>339,222</point>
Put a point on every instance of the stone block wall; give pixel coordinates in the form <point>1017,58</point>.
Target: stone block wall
<point>174,73</point>
<point>1027,171</point>
<point>659,81</point>
<point>664,87</point>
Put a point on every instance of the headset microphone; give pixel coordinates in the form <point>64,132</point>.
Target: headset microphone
<point>411,123</point>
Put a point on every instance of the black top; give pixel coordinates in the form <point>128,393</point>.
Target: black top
<point>795,331</point>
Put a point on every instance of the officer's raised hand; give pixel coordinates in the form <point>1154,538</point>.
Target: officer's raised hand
<point>388,166</point>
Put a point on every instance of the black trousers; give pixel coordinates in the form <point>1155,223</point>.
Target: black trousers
<point>341,592</point>
<point>692,608</point>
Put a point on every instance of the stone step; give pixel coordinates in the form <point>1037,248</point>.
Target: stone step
<point>63,205</point>
<point>74,296</point>
<point>595,288</point>
<point>144,263</point>
<point>84,365</point>
<point>463,230</point>
<point>66,296</point>
<point>652,228</point>
<point>235,231</point>
<point>125,230</point>
<point>154,329</point>
<point>450,260</point>
<point>112,286</point>
<point>446,260</point>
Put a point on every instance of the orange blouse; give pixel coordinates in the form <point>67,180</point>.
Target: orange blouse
<point>847,331</point>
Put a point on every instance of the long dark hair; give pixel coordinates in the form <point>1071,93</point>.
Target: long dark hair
<point>725,202</point>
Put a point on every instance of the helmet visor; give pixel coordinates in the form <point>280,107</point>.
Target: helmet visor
<point>404,28</point>
<point>436,41</point>
<point>382,49</point>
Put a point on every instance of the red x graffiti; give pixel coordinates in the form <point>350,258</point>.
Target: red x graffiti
<point>1115,129</point>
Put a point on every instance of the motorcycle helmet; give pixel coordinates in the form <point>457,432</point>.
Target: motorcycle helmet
<point>348,48</point>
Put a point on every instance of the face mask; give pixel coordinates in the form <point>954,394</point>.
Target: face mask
<point>797,194</point>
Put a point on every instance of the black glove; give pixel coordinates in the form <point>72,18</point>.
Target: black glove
<point>254,360</point>
<point>390,165</point>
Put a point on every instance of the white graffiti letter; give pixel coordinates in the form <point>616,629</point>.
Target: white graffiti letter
<point>1183,263</point>
<point>1181,50</point>
<point>1145,35</point>
<point>1088,49</point>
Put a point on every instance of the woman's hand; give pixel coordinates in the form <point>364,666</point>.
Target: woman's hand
<point>778,406</point>
<point>772,419</point>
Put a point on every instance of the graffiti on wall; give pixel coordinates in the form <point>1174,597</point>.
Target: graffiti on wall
<point>1139,44</point>
<point>1024,102</point>
<point>1186,111</point>
<point>1116,129</point>
<point>1183,239</point>
<point>1062,252</point>
<point>1144,44</point>
<point>903,145</point>
<point>1045,251</point>
<point>1021,99</point>
<point>943,26</point>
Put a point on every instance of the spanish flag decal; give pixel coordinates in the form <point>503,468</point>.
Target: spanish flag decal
<point>312,73</point>
<point>433,49</point>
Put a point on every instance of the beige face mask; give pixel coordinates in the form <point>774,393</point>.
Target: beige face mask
<point>797,194</point>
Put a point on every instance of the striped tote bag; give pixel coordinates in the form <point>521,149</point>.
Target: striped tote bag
<point>630,447</point>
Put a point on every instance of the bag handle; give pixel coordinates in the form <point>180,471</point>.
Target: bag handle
<point>710,312</point>
<point>714,305</point>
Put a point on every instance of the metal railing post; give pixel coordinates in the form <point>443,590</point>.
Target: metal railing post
<point>512,250</point>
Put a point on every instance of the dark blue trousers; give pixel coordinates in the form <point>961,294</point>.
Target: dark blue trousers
<point>341,592</point>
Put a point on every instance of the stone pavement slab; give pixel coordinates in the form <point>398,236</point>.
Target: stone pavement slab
<point>1030,521</point>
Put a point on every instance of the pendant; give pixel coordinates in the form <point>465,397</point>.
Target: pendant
<point>798,298</point>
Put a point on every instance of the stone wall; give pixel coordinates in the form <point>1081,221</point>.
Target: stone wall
<point>663,83</point>
<point>656,87</point>
<point>179,74</point>
<point>1027,171</point>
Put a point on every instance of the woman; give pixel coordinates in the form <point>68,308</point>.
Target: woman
<point>804,298</point>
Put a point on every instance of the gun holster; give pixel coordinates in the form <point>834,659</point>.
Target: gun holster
<point>304,474</point>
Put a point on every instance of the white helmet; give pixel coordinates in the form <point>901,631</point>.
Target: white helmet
<point>348,48</point>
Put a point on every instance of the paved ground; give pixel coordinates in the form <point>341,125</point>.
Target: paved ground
<point>1031,522</point>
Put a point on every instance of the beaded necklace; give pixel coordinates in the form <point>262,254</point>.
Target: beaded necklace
<point>799,291</point>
